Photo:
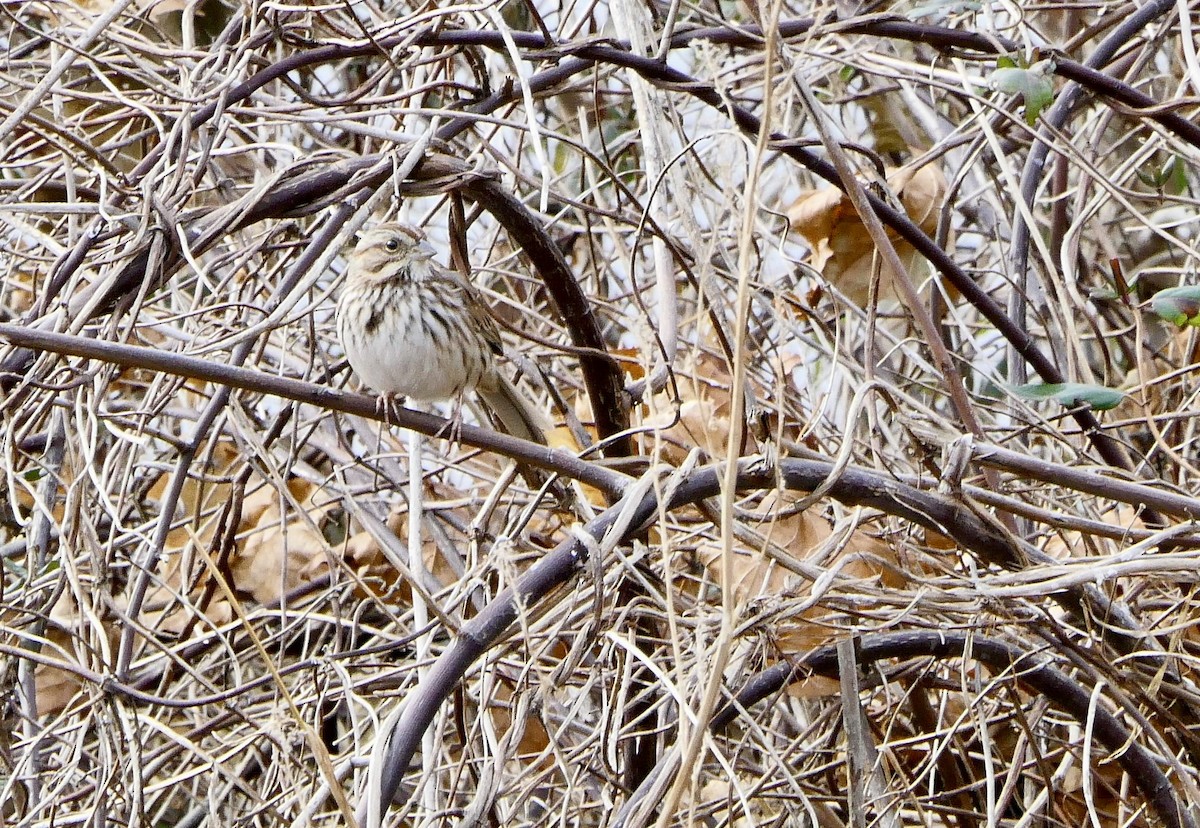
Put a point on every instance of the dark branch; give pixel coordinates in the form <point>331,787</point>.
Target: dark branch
<point>856,487</point>
<point>132,356</point>
<point>1033,670</point>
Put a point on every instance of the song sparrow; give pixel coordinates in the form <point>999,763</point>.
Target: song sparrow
<point>412,328</point>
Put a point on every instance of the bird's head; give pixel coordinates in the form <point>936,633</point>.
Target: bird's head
<point>387,251</point>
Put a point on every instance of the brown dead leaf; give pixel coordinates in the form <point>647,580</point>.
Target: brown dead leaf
<point>371,564</point>
<point>842,249</point>
<point>1103,799</point>
<point>703,413</point>
<point>71,631</point>
<point>719,791</point>
<point>202,496</point>
<point>297,547</point>
<point>279,550</point>
<point>278,560</point>
<point>533,738</point>
<point>760,577</point>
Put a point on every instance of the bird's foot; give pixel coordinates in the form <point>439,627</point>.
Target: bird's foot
<point>387,408</point>
<point>452,430</point>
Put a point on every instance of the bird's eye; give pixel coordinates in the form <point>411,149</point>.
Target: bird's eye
<point>392,245</point>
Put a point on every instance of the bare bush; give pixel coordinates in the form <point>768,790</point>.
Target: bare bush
<point>869,342</point>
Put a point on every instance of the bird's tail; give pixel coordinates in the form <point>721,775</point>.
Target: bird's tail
<point>516,413</point>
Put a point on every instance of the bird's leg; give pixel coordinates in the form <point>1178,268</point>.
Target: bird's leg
<point>387,408</point>
<point>452,430</point>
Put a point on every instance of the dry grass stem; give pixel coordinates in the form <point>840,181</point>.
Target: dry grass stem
<point>857,509</point>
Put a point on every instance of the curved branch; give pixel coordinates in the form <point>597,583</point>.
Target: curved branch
<point>1032,669</point>
<point>311,191</point>
<point>601,373</point>
<point>856,487</point>
<point>602,377</point>
<point>609,408</point>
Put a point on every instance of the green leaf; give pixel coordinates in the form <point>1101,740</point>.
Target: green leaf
<point>1112,292</point>
<point>1178,305</point>
<point>1177,178</point>
<point>1150,179</point>
<point>1035,84</point>
<point>1171,177</point>
<point>1071,394</point>
<point>14,568</point>
<point>1104,293</point>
